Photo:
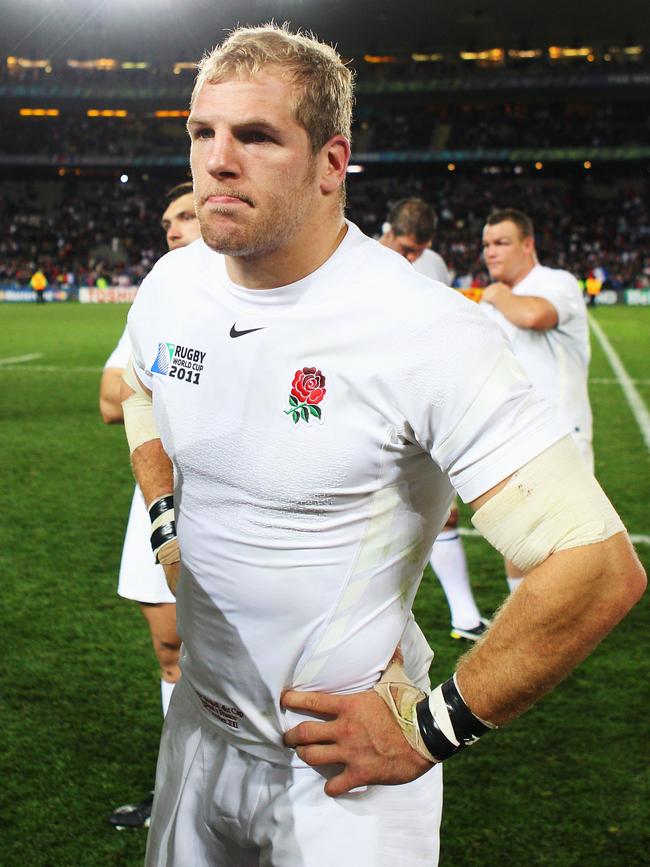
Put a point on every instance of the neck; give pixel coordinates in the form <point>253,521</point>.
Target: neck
<point>525,271</point>
<point>306,252</point>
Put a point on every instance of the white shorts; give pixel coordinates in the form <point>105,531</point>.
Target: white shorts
<point>141,578</point>
<point>216,806</point>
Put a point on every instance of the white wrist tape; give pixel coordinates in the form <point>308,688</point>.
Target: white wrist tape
<point>402,697</point>
<point>139,421</point>
<point>550,504</point>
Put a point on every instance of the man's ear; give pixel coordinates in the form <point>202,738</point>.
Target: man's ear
<point>336,156</point>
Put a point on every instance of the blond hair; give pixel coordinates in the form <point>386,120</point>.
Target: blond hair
<point>322,82</point>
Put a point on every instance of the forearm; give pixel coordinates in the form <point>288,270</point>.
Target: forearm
<point>524,311</point>
<point>562,610</point>
<point>151,465</point>
<point>153,470</point>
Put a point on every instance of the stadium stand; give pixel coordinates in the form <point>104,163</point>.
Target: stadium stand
<point>568,141</point>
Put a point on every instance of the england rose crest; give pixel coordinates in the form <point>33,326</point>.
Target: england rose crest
<point>307,391</point>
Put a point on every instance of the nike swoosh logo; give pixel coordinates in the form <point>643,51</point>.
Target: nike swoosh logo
<point>235,333</point>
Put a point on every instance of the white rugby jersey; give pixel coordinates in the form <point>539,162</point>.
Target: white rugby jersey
<point>432,265</point>
<point>119,357</point>
<point>316,430</point>
<point>556,360</point>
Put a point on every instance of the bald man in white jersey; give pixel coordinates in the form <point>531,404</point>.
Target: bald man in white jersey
<point>542,312</point>
<point>140,578</point>
<point>409,230</point>
<point>298,428</point>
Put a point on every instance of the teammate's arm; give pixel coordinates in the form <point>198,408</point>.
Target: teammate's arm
<point>524,311</point>
<point>110,402</point>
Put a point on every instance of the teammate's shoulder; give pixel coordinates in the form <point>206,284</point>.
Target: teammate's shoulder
<point>557,275</point>
<point>182,257</point>
<point>384,268</point>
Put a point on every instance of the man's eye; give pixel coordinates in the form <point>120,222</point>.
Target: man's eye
<point>203,132</point>
<point>256,137</point>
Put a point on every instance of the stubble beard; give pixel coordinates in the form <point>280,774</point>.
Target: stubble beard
<point>268,230</point>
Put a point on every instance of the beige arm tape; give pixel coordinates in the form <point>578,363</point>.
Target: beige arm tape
<point>402,696</point>
<point>550,504</point>
<point>139,421</point>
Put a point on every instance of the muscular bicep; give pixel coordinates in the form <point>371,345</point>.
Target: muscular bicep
<point>550,504</point>
<point>476,504</point>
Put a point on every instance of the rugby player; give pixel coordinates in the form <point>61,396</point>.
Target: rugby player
<point>140,578</point>
<point>318,423</point>
<point>542,312</point>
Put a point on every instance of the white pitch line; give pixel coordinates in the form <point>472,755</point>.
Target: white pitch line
<point>49,368</point>
<point>635,538</point>
<point>605,381</point>
<point>20,359</point>
<point>634,399</point>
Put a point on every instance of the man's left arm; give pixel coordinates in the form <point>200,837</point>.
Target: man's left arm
<point>563,609</point>
<point>559,614</point>
<point>524,311</point>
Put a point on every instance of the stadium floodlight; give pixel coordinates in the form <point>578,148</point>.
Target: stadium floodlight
<point>380,58</point>
<point>39,112</point>
<point>355,169</point>
<point>124,179</point>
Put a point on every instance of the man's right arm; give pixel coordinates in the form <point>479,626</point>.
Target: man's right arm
<point>525,311</point>
<point>152,467</point>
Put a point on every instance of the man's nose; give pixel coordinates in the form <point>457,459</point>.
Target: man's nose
<point>223,156</point>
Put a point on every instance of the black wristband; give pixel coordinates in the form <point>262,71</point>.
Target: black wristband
<point>164,533</point>
<point>446,724</point>
<point>160,506</point>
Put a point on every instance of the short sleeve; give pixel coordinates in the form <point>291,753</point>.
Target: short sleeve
<point>119,357</point>
<point>505,426</point>
<point>138,325</point>
<point>473,408</point>
<point>561,289</point>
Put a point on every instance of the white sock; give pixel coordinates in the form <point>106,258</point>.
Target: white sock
<point>450,566</point>
<point>513,583</point>
<point>166,690</point>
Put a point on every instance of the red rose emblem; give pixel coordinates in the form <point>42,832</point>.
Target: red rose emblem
<point>307,391</point>
<point>308,385</point>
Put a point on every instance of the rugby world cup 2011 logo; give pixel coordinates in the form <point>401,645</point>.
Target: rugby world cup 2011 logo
<point>163,361</point>
<point>307,391</point>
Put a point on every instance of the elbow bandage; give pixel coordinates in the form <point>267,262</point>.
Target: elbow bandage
<point>550,504</point>
<point>139,421</point>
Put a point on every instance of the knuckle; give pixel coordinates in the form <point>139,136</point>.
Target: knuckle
<point>302,733</point>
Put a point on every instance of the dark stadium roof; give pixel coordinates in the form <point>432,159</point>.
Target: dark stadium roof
<point>183,29</point>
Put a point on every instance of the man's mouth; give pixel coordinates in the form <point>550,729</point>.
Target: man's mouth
<point>227,199</point>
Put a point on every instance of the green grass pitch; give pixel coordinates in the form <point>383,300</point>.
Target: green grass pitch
<point>564,786</point>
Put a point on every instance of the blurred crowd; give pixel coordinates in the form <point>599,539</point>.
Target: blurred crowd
<point>369,67</point>
<point>102,232</point>
<point>429,126</point>
<point>581,224</point>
